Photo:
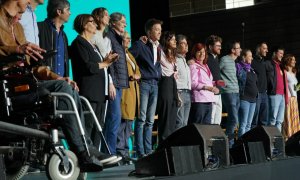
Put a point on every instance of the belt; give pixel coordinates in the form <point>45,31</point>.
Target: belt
<point>150,81</point>
<point>184,90</point>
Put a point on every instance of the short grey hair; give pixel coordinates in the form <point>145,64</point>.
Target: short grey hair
<point>179,38</point>
<point>115,17</point>
<point>54,5</point>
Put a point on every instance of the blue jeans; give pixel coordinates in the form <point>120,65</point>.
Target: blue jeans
<point>144,124</point>
<point>276,113</point>
<point>201,113</point>
<point>232,105</point>
<point>246,113</point>
<point>261,110</point>
<point>112,121</point>
<point>184,110</point>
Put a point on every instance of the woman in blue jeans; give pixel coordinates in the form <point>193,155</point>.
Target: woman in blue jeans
<point>247,80</point>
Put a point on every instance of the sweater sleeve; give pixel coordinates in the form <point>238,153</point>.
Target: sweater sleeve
<point>84,56</point>
<point>195,73</point>
<point>43,73</point>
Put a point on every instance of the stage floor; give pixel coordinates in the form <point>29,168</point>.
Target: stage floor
<point>273,170</point>
<point>114,173</point>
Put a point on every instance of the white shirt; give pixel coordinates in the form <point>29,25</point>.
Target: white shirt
<point>184,74</point>
<point>130,61</point>
<point>155,46</point>
<point>103,43</point>
<point>29,24</point>
<point>166,67</point>
<point>292,82</point>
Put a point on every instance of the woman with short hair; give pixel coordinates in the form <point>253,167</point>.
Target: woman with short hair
<point>203,89</point>
<point>247,80</point>
<point>89,69</point>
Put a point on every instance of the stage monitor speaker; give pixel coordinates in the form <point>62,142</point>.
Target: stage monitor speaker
<point>172,161</point>
<point>248,153</point>
<point>292,145</point>
<point>211,138</point>
<point>270,136</point>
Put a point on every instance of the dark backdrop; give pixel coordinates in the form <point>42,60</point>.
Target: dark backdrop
<point>276,22</point>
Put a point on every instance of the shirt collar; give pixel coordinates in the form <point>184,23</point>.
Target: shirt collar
<point>29,8</point>
<point>180,55</point>
<point>215,56</point>
<point>277,62</point>
<point>155,43</point>
<point>51,23</point>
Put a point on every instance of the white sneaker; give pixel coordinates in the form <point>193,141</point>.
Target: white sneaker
<point>115,161</point>
<point>108,159</point>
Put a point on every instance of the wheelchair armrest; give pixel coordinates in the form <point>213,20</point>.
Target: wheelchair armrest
<point>4,60</point>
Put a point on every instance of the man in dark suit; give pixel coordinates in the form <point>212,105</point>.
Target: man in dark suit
<point>147,56</point>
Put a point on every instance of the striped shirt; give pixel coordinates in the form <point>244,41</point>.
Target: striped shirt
<point>228,74</point>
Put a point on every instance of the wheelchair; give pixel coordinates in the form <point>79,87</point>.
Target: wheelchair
<point>29,130</point>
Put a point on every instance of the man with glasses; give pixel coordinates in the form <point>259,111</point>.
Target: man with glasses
<point>183,82</point>
<point>213,44</point>
<point>230,92</point>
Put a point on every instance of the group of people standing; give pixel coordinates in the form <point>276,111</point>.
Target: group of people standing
<point>153,76</point>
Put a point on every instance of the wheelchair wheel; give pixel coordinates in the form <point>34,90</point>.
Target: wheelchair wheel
<point>55,169</point>
<point>18,173</point>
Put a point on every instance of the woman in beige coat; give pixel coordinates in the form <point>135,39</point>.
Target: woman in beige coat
<point>130,103</point>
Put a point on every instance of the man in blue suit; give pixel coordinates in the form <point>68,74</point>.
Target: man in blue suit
<point>147,56</point>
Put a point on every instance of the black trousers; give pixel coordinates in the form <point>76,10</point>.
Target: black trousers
<point>166,107</point>
<point>91,128</point>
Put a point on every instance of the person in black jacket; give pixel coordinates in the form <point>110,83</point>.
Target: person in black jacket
<point>53,37</point>
<point>90,69</point>
<point>276,88</point>
<point>214,46</point>
<point>262,105</point>
<point>119,75</point>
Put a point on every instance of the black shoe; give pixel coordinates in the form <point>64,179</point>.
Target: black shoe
<point>140,156</point>
<point>127,160</point>
<point>89,163</point>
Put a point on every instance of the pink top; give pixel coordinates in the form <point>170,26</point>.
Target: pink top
<point>168,69</point>
<point>201,76</point>
<point>280,84</point>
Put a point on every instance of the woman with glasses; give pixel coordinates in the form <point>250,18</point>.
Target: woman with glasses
<point>89,68</point>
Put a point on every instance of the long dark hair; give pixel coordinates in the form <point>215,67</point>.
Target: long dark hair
<point>165,42</point>
<point>98,13</point>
